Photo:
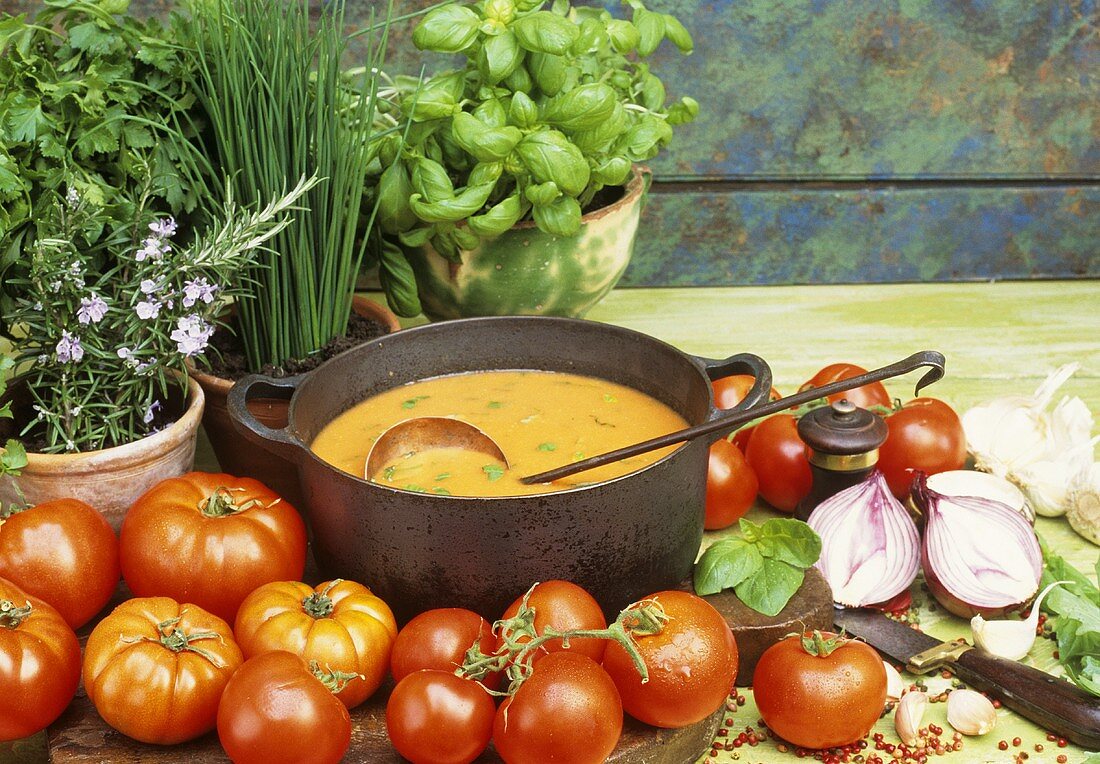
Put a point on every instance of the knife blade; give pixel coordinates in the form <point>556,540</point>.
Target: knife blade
<point>1052,703</point>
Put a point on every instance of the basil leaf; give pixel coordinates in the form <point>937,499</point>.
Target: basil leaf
<point>499,57</point>
<point>431,181</point>
<point>683,111</point>
<point>394,190</point>
<point>491,112</point>
<point>600,138</point>
<point>543,32</point>
<point>417,237</point>
<point>519,81</point>
<point>770,589</point>
<point>522,112</point>
<point>653,93</point>
<point>548,72</point>
<point>651,30</point>
<point>644,139</point>
<point>624,35</point>
<point>464,204</point>
<point>486,144</point>
<point>582,108</point>
<point>726,564</point>
<point>591,34</point>
<point>447,29</point>
<point>562,217</point>
<point>500,10</point>
<point>789,540</point>
<point>677,33</point>
<point>612,172</point>
<point>542,194</point>
<point>398,280</point>
<point>437,98</point>
<point>550,156</point>
<point>466,238</point>
<point>499,218</point>
<point>485,172</point>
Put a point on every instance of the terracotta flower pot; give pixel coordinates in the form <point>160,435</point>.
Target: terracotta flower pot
<point>112,478</point>
<point>526,271</point>
<point>235,454</point>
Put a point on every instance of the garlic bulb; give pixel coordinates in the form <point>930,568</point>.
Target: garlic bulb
<point>1017,438</point>
<point>1007,638</point>
<point>1084,503</point>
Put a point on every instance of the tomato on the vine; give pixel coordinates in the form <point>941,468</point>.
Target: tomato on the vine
<point>778,457</point>
<point>275,709</point>
<point>866,396</point>
<point>841,680</point>
<point>435,717</point>
<point>731,390</point>
<point>439,639</point>
<point>925,434</point>
<point>63,552</point>
<point>731,485</point>
<point>210,539</point>
<point>692,664</point>
<point>568,710</point>
<point>155,669</point>
<point>563,605</point>
<point>339,624</point>
<point>39,663</point>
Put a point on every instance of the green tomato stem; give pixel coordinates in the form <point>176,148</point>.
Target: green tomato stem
<point>335,681</point>
<point>319,605</point>
<point>11,617</point>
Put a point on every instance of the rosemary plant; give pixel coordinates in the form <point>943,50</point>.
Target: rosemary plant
<point>280,107</point>
<point>106,344</point>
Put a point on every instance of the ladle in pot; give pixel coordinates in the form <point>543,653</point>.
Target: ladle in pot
<point>441,432</point>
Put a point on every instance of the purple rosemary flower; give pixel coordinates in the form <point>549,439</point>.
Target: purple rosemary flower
<point>69,348</point>
<point>164,228</point>
<point>72,198</point>
<point>151,412</point>
<point>92,309</point>
<point>199,289</point>
<point>147,309</point>
<point>148,286</point>
<point>192,334</point>
<point>153,249</point>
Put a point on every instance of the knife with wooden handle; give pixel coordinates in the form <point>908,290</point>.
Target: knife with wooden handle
<point>1052,703</point>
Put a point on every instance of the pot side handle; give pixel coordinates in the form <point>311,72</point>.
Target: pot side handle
<point>279,442</point>
<point>742,363</point>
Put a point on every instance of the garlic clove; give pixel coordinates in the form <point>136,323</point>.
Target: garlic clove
<point>895,686</point>
<point>970,712</point>
<point>1084,503</point>
<point>1009,638</point>
<point>908,715</point>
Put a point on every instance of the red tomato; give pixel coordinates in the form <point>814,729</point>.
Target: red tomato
<point>731,390</point>
<point>568,711</point>
<point>435,717</point>
<point>778,457</point>
<point>563,605</point>
<point>820,701</point>
<point>63,552</point>
<point>925,434</point>
<point>39,663</point>
<point>692,664</point>
<point>731,486</point>
<point>340,625</point>
<point>210,539</point>
<point>438,639</point>
<point>867,396</point>
<point>274,709</point>
<point>154,669</point>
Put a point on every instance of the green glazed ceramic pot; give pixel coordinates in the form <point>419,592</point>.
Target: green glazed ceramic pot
<point>525,271</point>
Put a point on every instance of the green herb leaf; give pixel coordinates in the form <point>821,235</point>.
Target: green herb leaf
<point>547,446</point>
<point>543,32</point>
<point>486,144</point>
<point>609,398</point>
<point>1077,606</point>
<point>493,471</point>
<point>494,404</point>
<point>389,472</point>
<point>651,30</point>
<point>789,540</point>
<point>413,401</point>
<point>624,35</point>
<point>499,218</point>
<point>562,217</point>
<point>725,564</point>
<point>770,589</point>
<point>677,33</point>
<point>13,458</point>
<point>548,72</point>
<point>582,108</point>
<point>523,112</point>
<point>443,476</point>
<point>499,57</point>
<point>441,491</point>
<point>447,29</point>
<point>542,193</point>
<point>549,155</point>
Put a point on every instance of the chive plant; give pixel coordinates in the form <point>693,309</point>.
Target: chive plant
<point>280,108</point>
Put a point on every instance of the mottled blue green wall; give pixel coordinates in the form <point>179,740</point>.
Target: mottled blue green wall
<point>867,140</point>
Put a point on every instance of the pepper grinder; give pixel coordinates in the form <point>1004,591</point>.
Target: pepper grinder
<point>844,440</point>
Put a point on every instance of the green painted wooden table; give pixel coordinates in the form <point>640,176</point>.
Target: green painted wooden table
<point>998,338</point>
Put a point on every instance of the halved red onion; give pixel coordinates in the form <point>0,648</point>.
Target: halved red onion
<point>979,555</point>
<point>869,543</point>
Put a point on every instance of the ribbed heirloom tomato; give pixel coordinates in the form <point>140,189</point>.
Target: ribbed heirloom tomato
<point>341,625</point>
<point>39,663</point>
<point>154,669</point>
<point>563,605</point>
<point>819,690</point>
<point>692,664</point>
<point>64,552</point>
<point>275,710</point>
<point>210,539</point>
<point>438,639</point>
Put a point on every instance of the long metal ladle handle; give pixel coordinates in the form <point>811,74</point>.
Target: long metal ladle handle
<point>930,358</point>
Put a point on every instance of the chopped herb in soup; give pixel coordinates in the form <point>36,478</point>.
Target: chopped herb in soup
<point>540,419</point>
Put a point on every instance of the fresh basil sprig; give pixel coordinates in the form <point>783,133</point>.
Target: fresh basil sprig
<point>764,566</point>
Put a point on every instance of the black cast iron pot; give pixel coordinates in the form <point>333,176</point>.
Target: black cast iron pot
<point>620,539</point>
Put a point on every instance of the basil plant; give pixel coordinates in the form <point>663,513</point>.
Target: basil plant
<point>551,106</point>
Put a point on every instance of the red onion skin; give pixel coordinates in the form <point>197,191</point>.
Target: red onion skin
<point>954,605</point>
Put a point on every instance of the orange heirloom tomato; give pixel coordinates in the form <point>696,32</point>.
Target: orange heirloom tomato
<point>39,663</point>
<point>210,539</point>
<point>340,625</point>
<point>155,669</point>
<point>64,552</point>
